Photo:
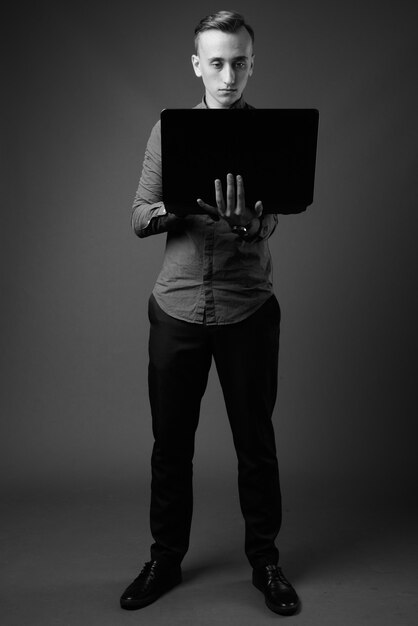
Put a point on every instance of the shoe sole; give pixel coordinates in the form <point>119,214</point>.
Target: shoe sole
<point>132,605</point>
<point>277,609</point>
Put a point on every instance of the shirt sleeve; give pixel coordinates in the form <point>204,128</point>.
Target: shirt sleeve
<point>148,198</point>
<point>149,215</point>
<point>269,226</point>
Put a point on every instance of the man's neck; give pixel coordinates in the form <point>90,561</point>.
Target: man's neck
<point>232,106</point>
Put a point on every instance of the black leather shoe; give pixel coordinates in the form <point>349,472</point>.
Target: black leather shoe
<point>155,578</point>
<point>279,593</point>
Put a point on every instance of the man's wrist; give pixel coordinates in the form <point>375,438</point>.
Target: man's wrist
<point>250,231</point>
<point>172,222</point>
<point>255,226</point>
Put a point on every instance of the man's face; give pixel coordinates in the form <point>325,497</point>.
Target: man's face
<point>224,62</point>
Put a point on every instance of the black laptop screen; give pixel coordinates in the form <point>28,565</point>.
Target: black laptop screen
<point>273,149</point>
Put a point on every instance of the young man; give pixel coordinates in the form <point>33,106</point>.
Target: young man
<point>213,298</point>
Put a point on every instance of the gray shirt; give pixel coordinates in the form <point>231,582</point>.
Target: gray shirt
<point>209,274</point>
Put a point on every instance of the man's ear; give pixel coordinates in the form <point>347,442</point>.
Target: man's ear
<point>196,65</point>
<point>252,66</point>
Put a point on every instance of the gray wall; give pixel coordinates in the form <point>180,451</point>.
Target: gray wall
<point>87,81</point>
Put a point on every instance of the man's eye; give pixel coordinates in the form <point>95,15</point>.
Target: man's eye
<point>216,64</point>
<point>241,65</point>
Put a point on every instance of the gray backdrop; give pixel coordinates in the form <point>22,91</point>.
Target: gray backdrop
<point>87,82</point>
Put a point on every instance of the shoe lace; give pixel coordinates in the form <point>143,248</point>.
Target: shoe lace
<point>147,574</point>
<point>275,576</point>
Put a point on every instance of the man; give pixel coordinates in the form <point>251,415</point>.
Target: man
<point>213,298</point>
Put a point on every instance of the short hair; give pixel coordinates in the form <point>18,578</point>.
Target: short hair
<point>227,21</point>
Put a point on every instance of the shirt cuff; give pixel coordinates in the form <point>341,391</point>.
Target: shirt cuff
<point>142,215</point>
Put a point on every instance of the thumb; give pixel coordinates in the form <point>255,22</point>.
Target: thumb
<point>258,208</point>
<point>210,210</point>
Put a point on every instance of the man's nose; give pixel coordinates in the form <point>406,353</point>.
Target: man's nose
<point>228,75</point>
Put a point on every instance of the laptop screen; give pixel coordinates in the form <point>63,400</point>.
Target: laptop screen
<point>274,150</point>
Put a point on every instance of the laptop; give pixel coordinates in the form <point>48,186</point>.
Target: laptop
<point>274,150</point>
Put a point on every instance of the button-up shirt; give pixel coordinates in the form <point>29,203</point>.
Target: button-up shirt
<point>209,274</point>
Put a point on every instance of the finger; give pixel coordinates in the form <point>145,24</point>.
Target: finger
<point>230,195</point>
<point>258,208</point>
<point>240,196</point>
<point>210,210</point>
<point>220,203</point>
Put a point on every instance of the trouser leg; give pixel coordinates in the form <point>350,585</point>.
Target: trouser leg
<point>178,370</point>
<point>246,356</point>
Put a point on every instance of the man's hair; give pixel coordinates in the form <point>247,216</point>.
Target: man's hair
<point>227,21</point>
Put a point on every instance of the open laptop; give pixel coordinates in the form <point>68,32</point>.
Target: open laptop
<point>273,149</point>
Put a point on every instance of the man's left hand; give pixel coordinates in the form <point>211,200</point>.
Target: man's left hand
<point>234,211</point>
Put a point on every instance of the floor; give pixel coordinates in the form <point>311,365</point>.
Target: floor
<point>70,552</point>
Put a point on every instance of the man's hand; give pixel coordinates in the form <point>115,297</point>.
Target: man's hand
<point>234,212</point>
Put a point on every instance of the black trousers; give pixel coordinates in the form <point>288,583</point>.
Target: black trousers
<point>246,358</point>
